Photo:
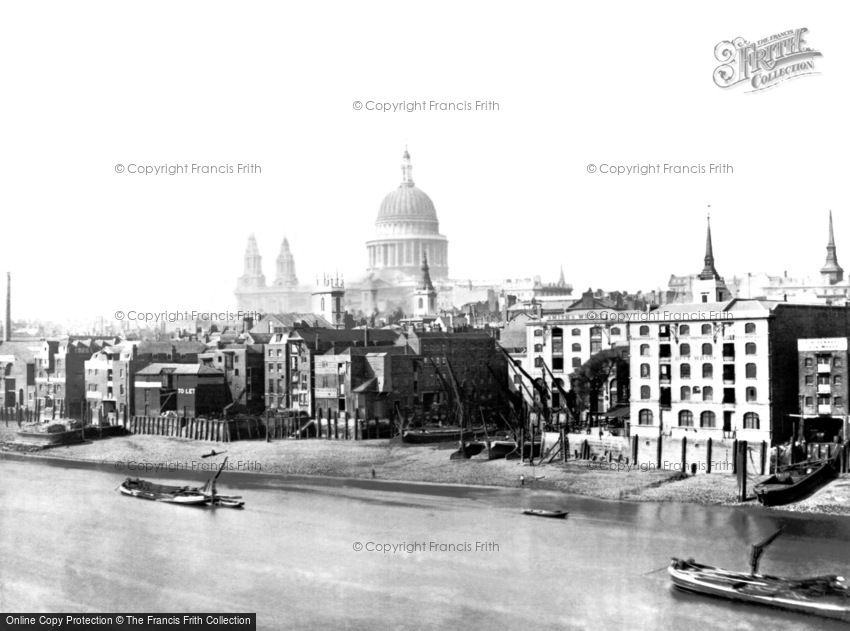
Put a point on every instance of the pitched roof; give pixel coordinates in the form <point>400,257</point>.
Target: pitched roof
<point>179,369</point>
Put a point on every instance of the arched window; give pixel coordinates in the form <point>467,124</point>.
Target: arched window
<point>708,393</point>
<point>749,328</point>
<point>645,417</point>
<point>685,393</point>
<point>707,371</point>
<point>644,371</point>
<point>686,418</point>
<point>644,393</point>
<point>752,395</point>
<point>707,350</point>
<point>644,349</point>
<point>420,303</point>
<point>685,371</point>
<point>685,350</point>
<point>706,329</point>
<point>643,330</point>
<point>750,371</point>
<point>751,420</point>
<point>615,330</point>
<point>575,332</point>
<point>576,348</point>
<point>557,332</point>
<point>684,329</point>
<point>750,348</point>
<point>707,419</point>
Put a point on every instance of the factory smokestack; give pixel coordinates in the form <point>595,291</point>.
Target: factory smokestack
<point>8,326</point>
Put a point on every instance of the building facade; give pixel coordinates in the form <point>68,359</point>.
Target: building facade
<point>185,390</point>
<point>823,387</point>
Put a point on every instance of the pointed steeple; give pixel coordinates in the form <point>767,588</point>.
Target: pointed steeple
<point>562,282</point>
<point>831,271</point>
<point>425,284</point>
<point>406,169</point>
<point>708,271</point>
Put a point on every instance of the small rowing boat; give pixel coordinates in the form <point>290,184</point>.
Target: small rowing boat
<point>539,512</point>
<point>826,596</point>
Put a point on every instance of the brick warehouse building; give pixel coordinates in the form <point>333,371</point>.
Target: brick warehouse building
<point>723,369</point>
<point>823,387</point>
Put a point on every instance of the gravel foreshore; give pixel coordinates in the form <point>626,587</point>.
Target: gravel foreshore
<point>393,460</point>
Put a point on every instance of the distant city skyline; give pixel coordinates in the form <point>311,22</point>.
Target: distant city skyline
<point>512,187</point>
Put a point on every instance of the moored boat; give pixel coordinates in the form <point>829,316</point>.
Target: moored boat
<point>827,596</point>
<point>540,512</point>
<point>146,490</point>
<point>794,482</point>
<point>441,434</point>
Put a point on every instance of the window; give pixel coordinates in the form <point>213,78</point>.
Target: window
<point>809,363</point>
<point>557,363</point>
<point>576,362</point>
<point>707,371</point>
<point>823,380</point>
<point>685,393</point>
<point>706,329</point>
<point>707,419</point>
<point>707,350</point>
<point>685,371</point>
<point>684,329</point>
<point>686,418</point>
<point>836,361</point>
<point>575,332</point>
<point>749,328</point>
<point>644,392</point>
<point>645,417</point>
<point>644,371</point>
<point>576,348</point>
<point>708,393</point>
<point>750,371</point>
<point>751,420</point>
<point>836,380</point>
<point>643,330</point>
<point>810,380</point>
<point>752,394</point>
<point>809,401</point>
<point>538,348</point>
<point>685,350</point>
<point>615,330</point>
<point>236,372</point>
<point>838,402</point>
<point>750,348</point>
<point>538,332</point>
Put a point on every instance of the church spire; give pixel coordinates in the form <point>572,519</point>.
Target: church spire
<point>406,169</point>
<point>425,284</point>
<point>708,271</point>
<point>562,282</point>
<point>831,270</point>
<point>285,266</point>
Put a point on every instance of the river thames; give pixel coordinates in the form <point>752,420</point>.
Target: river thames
<point>310,553</point>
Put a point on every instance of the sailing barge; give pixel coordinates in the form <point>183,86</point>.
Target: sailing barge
<point>185,495</point>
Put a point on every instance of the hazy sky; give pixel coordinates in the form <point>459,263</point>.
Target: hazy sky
<point>90,85</point>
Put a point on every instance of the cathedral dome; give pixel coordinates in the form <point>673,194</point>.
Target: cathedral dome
<point>407,208</point>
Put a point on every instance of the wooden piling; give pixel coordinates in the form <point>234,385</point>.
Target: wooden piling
<point>635,447</point>
<point>564,445</point>
<point>741,458</point>
<point>659,447</point>
<point>763,456</point>
<point>684,454</point>
<point>708,448</point>
<point>336,425</point>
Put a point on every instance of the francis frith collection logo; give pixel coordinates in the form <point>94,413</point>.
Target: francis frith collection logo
<point>765,63</point>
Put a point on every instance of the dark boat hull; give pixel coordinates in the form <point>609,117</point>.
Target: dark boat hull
<point>778,489</point>
<point>825,596</point>
<point>551,514</point>
<point>440,435</point>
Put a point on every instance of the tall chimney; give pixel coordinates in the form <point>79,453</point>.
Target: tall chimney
<point>8,306</point>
